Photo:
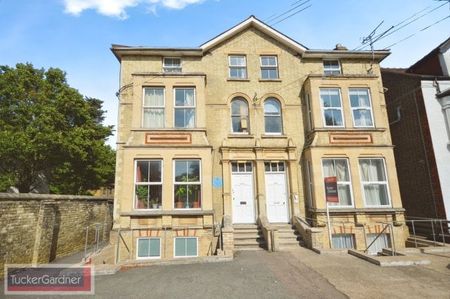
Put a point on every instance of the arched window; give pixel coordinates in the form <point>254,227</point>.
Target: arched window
<point>239,116</point>
<point>272,116</point>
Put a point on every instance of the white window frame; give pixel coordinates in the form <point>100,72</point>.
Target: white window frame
<point>148,257</point>
<point>359,107</point>
<point>163,107</point>
<point>269,67</point>
<point>230,66</point>
<point>275,169</point>
<point>187,183</point>
<point>171,68</point>
<point>240,115</point>
<point>363,183</point>
<point>331,71</point>
<point>347,183</point>
<point>248,167</point>
<point>184,256</point>
<point>280,115</point>
<point>161,161</point>
<point>175,107</point>
<point>310,184</point>
<point>445,103</point>
<point>331,108</point>
<point>310,124</point>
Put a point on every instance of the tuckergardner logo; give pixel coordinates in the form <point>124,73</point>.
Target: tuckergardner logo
<point>49,279</point>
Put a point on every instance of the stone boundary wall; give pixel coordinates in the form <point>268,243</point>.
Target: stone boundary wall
<point>37,228</point>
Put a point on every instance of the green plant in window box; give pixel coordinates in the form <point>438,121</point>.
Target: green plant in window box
<point>180,193</point>
<point>196,200</point>
<point>141,194</point>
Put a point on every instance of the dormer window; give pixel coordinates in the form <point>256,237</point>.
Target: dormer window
<point>331,67</point>
<point>172,65</point>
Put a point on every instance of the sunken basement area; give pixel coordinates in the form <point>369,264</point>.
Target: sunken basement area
<point>226,147</point>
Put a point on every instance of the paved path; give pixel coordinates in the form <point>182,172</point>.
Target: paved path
<point>297,274</point>
<point>250,275</point>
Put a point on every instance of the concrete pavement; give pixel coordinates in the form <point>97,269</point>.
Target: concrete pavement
<point>300,273</point>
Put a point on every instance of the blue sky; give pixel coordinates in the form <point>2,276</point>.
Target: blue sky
<point>75,35</point>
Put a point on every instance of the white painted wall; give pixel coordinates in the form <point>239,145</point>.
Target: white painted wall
<point>444,59</point>
<point>439,136</point>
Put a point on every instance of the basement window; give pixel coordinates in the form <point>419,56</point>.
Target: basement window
<point>148,248</point>
<point>186,247</point>
<point>383,241</point>
<point>343,241</point>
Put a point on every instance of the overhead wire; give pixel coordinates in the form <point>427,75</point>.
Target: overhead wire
<point>276,16</point>
<point>291,15</point>
<point>408,20</point>
<point>423,29</point>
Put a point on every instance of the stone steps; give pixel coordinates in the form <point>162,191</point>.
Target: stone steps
<point>288,237</point>
<point>421,242</point>
<point>248,237</point>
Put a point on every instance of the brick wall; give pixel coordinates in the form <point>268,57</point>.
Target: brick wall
<point>37,228</point>
<point>415,161</point>
<point>429,65</point>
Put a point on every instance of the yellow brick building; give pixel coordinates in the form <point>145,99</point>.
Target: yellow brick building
<point>227,145</point>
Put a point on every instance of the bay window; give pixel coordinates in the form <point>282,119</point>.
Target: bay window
<point>339,168</point>
<point>153,107</point>
<point>331,104</point>
<point>187,184</point>
<point>361,107</point>
<point>184,107</point>
<point>148,184</point>
<point>374,182</point>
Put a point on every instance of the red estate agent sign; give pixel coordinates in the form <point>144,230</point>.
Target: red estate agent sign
<point>331,191</point>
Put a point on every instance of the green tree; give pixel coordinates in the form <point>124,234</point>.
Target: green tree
<point>49,131</point>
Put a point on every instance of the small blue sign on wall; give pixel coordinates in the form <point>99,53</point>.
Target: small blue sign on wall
<point>217,182</point>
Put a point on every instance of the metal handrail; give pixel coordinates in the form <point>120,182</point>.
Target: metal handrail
<point>376,238</point>
<point>432,221</point>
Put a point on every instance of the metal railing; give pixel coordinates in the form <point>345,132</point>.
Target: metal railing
<point>315,222</point>
<point>94,239</point>
<point>391,235</point>
<point>431,228</point>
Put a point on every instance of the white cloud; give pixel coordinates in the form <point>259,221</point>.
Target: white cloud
<point>117,8</point>
<point>176,4</point>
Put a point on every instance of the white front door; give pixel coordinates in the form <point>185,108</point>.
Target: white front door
<point>276,193</point>
<point>242,193</point>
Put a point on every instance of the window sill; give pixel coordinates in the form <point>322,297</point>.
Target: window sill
<point>375,210</point>
<point>167,129</point>
<point>176,212</point>
<point>238,80</point>
<point>243,136</point>
<point>352,129</point>
<point>270,80</point>
<point>274,136</point>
